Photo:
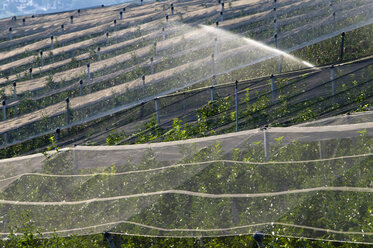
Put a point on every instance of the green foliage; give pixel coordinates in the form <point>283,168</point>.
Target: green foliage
<point>177,132</point>
<point>25,235</point>
<point>113,138</point>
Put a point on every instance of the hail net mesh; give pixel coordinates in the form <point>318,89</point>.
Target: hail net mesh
<point>311,182</point>
<point>181,56</point>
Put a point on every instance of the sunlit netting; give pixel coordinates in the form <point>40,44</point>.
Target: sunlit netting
<point>353,118</point>
<point>171,54</point>
<point>311,182</point>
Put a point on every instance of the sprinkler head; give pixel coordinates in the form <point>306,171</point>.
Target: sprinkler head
<point>99,49</point>
<point>102,5</point>
<point>217,24</point>
<point>81,81</point>
<point>4,103</point>
<point>51,37</point>
<point>58,131</point>
<point>88,65</point>
<point>143,77</point>
<point>62,26</point>
<point>41,52</point>
<point>67,100</point>
<point>10,29</point>
<point>30,70</point>
<point>14,83</point>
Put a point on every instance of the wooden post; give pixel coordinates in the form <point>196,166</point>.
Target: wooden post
<point>4,110</point>
<point>266,145</point>
<point>151,66</point>
<point>52,44</point>
<point>67,111</point>
<point>41,58</point>
<point>143,85</point>
<point>81,87</point>
<point>332,78</point>
<point>213,64</point>
<point>157,110</point>
<point>272,80</point>
<point>342,46</point>
<point>88,72</point>
<point>15,90</point>
<point>236,103</point>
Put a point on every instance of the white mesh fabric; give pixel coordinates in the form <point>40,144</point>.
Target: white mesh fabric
<point>316,184</point>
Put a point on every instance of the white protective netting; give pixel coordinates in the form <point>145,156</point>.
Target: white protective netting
<point>181,55</point>
<point>311,182</point>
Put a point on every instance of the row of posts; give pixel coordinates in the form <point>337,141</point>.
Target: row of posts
<point>272,82</point>
<point>213,67</point>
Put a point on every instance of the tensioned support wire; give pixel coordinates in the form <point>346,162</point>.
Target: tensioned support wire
<point>188,164</point>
